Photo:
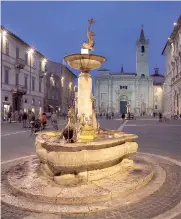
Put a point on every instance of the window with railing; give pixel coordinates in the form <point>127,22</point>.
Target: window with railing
<point>124,87</point>
<point>40,82</point>
<point>7,47</point>
<point>17,52</point>
<point>26,58</point>
<point>33,83</point>
<point>6,76</point>
<point>17,79</point>
<point>26,81</point>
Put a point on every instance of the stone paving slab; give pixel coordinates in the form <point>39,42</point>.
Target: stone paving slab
<point>167,197</point>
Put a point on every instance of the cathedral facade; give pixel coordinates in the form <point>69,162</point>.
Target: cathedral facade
<point>122,92</point>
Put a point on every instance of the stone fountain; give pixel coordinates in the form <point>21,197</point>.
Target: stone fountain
<point>84,168</point>
<point>93,151</point>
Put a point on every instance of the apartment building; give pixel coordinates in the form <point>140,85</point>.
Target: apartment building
<point>29,81</point>
<point>172,85</point>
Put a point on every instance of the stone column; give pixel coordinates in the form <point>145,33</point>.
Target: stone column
<point>84,95</point>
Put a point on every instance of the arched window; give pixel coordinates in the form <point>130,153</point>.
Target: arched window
<point>142,49</point>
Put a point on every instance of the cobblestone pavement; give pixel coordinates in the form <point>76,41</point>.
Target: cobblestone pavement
<point>163,139</point>
<point>163,200</point>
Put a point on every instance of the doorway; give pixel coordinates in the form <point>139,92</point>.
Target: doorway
<point>123,108</point>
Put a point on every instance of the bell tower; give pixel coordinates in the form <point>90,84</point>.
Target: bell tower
<point>142,66</point>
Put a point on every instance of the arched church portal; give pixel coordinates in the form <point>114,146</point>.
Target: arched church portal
<point>143,107</point>
<point>123,104</point>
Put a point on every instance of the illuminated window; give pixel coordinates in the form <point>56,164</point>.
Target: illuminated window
<point>33,83</point>
<point>62,81</point>
<point>7,48</point>
<point>40,85</point>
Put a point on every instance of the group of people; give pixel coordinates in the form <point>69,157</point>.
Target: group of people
<point>109,115</point>
<point>30,119</point>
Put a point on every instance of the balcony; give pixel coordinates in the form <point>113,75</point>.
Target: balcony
<point>20,63</point>
<point>19,90</point>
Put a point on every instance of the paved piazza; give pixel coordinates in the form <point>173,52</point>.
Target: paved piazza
<point>160,139</point>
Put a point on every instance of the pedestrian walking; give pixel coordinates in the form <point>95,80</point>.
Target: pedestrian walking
<point>29,118</point>
<point>123,117</point>
<point>54,121</point>
<point>160,117</point>
<point>20,115</point>
<point>24,118</point>
<point>44,120</point>
<point>112,115</point>
<point>16,115</point>
<point>9,116</point>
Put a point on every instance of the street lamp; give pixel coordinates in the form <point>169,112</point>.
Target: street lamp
<point>30,53</point>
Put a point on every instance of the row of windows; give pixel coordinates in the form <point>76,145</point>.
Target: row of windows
<point>6,81</point>
<point>26,101</point>
<point>33,102</point>
<point>123,87</point>
<point>32,58</point>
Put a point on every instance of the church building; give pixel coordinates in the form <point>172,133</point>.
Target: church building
<point>124,92</point>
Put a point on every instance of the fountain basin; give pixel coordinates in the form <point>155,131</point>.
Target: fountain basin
<point>84,62</point>
<point>59,159</point>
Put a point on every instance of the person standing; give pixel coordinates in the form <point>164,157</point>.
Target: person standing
<point>20,115</point>
<point>123,117</point>
<point>29,118</point>
<point>160,117</point>
<point>112,115</point>
<point>9,116</point>
<point>24,118</point>
<point>16,116</point>
<point>44,120</point>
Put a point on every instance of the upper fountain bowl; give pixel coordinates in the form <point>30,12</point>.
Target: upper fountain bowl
<point>84,62</point>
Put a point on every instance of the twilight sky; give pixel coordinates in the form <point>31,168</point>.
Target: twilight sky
<point>59,28</point>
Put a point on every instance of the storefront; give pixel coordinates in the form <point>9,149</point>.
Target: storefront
<point>5,110</point>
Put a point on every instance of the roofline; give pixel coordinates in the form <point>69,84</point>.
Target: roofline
<point>26,44</point>
<point>175,30</point>
<point>157,75</point>
<point>22,41</point>
<point>164,48</point>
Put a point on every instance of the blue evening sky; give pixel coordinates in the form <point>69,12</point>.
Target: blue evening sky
<point>59,28</point>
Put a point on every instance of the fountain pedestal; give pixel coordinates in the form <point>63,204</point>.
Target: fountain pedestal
<point>85,111</point>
